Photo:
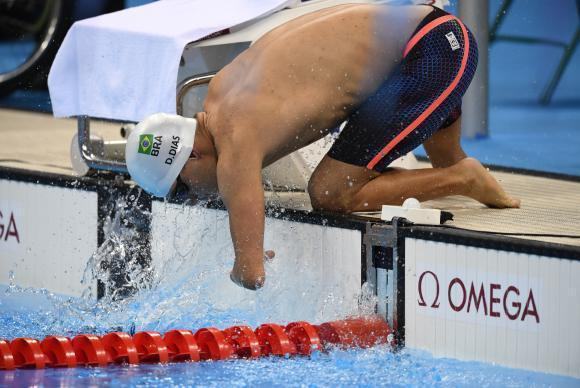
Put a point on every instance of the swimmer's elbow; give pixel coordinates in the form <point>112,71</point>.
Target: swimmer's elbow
<point>255,284</point>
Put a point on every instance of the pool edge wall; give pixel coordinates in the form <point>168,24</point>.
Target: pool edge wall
<point>495,299</point>
<point>47,231</point>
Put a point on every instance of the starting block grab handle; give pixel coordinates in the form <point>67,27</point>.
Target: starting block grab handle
<point>89,155</point>
<point>188,83</point>
<point>96,162</point>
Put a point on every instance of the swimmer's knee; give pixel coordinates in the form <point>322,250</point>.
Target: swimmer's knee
<point>315,192</point>
<point>323,197</point>
<point>330,191</point>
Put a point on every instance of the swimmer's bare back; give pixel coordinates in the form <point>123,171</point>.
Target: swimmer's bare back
<point>283,93</point>
<point>306,76</point>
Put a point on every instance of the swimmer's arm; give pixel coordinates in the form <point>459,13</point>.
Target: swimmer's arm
<point>240,184</point>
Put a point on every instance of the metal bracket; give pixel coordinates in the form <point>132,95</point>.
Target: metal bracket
<point>187,84</point>
<point>89,155</point>
<point>382,268</point>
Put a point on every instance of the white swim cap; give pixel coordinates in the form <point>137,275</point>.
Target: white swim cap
<point>157,150</point>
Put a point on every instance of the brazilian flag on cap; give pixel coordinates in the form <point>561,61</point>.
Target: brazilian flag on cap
<point>145,144</point>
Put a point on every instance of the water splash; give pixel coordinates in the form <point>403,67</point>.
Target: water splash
<point>117,265</point>
<point>159,295</point>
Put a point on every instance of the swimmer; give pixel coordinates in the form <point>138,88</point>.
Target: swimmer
<point>396,73</point>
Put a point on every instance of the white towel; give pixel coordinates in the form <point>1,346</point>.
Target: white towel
<point>124,65</point>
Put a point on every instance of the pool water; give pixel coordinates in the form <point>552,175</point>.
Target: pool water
<point>370,367</point>
<point>46,314</point>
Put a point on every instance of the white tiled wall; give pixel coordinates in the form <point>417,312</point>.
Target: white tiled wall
<point>315,276</point>
<point>550,345</point>
<point>57,233</point>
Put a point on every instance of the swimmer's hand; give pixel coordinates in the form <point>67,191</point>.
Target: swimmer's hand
<point>251,279</point>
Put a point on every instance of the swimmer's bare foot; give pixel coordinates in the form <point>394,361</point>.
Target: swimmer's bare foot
<point>483,187</point>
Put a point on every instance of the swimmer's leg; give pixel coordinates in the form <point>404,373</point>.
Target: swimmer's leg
<point>444,147</point>
<point>342,187</point>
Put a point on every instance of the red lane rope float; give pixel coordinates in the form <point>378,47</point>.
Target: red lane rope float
<point>243,341</point>
<point>150,347</point>
<point>27,353</point>
<point>182,345</point>
<point>304,336</point>
<point>89,350</point>
<point>212,344</point>
<point>120,348</point>
<point>355,332</point>
<point>59,351</point>
<point>6,357</point>
<point>274,340</point>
